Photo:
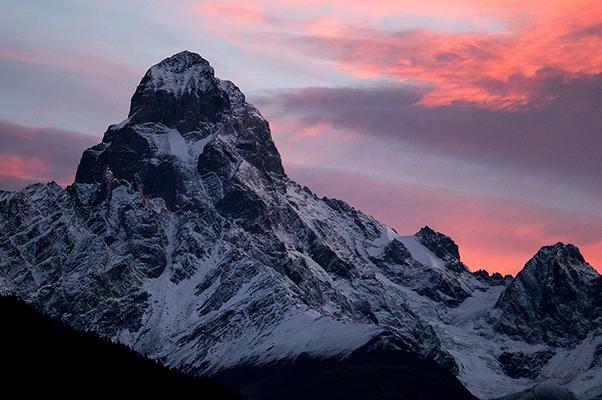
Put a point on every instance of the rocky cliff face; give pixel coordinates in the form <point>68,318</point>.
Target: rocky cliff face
<point>183,238</point>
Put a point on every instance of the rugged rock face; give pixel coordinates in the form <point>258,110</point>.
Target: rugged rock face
<point>441,245</point>
<point>447,287</point>
<point>181,93</point>
<point>183,238</point>
<point>552,299</point>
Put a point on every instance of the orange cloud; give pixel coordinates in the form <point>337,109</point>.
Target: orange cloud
<point>502,42</point>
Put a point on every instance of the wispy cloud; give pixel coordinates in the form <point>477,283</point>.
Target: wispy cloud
<point>457,64</point>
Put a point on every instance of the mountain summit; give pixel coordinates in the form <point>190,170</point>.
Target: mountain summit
<point>182,92</point>
<point>183,238</point>
<point>551,299</point>
<point>185,125</point>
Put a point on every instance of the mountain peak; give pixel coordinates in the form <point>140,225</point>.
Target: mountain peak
<point>561,251</point>
<point>183,238</point>
<point>185,125</point>
<point>180,92</point>
<point>182,71</point>
<point>550,300</point>
<point>182,61</point>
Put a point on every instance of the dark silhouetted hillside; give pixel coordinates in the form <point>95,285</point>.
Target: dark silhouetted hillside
<point>40,354</point>
<point>373,372</point>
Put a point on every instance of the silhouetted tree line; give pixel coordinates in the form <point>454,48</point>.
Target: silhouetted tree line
<point>41,355</point>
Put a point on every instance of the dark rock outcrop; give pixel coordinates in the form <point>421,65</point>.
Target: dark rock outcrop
<point>524,365</point>
<point>180,92</point>
<point>443,247</point>
<point>175,113</point>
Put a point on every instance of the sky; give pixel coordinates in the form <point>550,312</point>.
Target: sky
<point>481,119</point>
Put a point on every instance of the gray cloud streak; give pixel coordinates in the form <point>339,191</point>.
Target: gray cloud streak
<point>558,134</point>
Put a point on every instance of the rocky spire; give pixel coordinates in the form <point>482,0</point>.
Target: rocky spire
<point>185,125</point>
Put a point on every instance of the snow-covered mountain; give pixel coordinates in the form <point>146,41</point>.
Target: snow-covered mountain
<point>183,238</point>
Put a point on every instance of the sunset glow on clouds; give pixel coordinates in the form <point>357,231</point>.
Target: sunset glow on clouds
<point>32,155</point>
<point>480,118</point>
<point>491,63</point>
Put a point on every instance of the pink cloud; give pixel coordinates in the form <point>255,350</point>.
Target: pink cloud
<point>528,37</point>
<point>22,168</point>
<point>31,154</point>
